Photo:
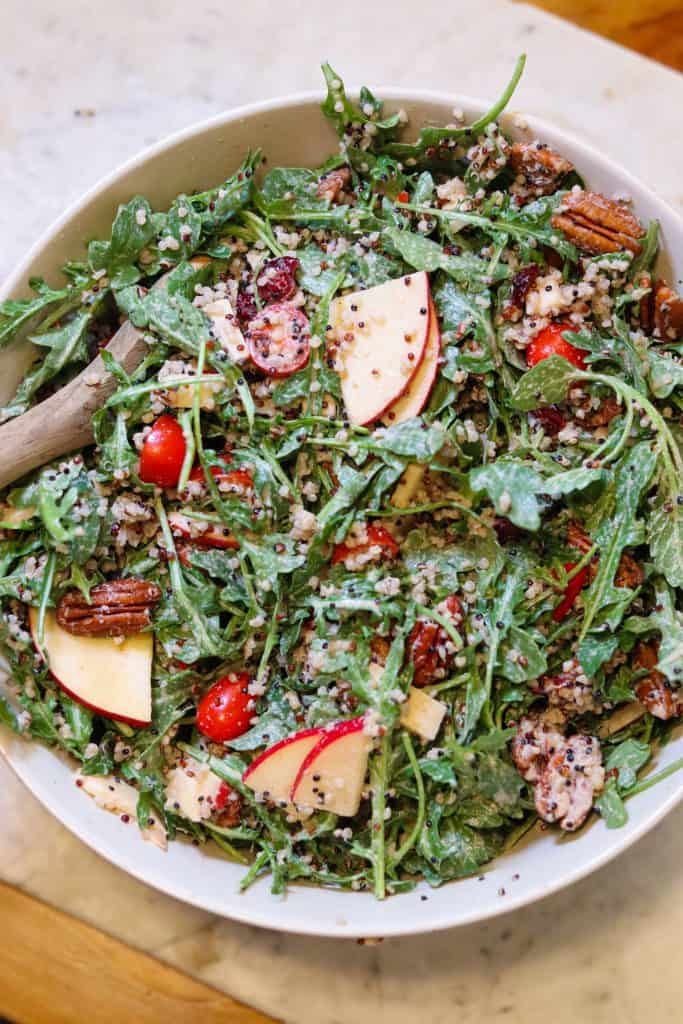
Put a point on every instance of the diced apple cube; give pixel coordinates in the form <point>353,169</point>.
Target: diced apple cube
<point>422,714</point>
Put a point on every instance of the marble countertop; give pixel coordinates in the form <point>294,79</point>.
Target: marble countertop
<point>86,86</point>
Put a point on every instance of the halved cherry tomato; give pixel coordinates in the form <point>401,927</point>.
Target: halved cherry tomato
<point>377,536</point>
<point>424,641</point>
<point>241,478</point>
<point>279,339</point>
<point>549,342</point>
<point>163,453</point>
<point>574,588</point>
<point>215,536</point>
<point>226,710</point>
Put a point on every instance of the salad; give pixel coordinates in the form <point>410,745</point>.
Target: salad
<point>377,559</point>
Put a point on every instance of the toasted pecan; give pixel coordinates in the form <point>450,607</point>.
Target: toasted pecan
<point>660,312</point>
<point>332,184</point>
<point>541,167</point>
<point>653,691</point>
<point>597,224</point>
<point>116,608</point>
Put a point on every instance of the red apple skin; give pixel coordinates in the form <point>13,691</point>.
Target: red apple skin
<point>329,734</point>
<point>418,364</point>
<point>269,751</point>
<point>134,722</point>
<point>433,326</point>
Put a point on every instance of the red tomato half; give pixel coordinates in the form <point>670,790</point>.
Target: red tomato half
<point>226,710</point>
<point>574,588</point>
<point>377,537</point>
<point>240,478</point>
<point>279,339</point>
<point>215,536</point>
<point>163,453</point>
<point>549,342</point>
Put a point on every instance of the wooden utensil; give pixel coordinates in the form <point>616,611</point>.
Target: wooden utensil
<point>63,422</point>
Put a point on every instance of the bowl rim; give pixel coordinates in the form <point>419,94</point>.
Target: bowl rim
<point>96,840</point>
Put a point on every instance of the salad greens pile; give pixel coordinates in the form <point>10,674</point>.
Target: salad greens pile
<point>515,464</point>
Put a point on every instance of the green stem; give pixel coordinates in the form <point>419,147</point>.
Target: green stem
<point>185,420</point>
<point>410,840</point>
<point>46,588</point>
<point>378,779</point>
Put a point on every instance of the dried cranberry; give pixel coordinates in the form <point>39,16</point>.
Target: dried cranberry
<point>506,531</point>
<point>277,281</point>
<point>522,283</point>
<point>550,418</point>
<point>246,306</point>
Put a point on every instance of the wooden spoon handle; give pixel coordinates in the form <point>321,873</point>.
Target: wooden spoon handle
<point>63,422</point>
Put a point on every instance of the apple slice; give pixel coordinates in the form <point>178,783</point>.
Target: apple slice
<point>113,794</point>
<point>183,397</point>
<point>110,676</point>
<point>415,397</point>
<point>273,773</point>
<point>331,776</point>
<point>381,335</point>
<point>408,485</point>
<point>226,329</point>
<point>422,714</point>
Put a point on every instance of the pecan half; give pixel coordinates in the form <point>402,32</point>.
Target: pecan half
<point>540,167</point>
<point>332,184</point>
<point>597,224</point>
<point>661,310</point>
<point>116,608</point>
<point>654,692</point>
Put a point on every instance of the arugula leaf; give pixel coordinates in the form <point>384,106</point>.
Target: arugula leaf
<point>512,487</point>
<point>614,533</point>
<point>545,384</point>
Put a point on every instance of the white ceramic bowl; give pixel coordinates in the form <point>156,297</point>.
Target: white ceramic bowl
<point>293,131</point>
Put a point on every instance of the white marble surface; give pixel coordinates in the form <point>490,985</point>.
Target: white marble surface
<point>138,69</point>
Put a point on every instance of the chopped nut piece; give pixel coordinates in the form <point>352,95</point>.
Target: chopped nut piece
<point>332,184</point>
<point>597,224</point>
<point>654,692</point>
<point>116,608</point>
<point>540,166</point>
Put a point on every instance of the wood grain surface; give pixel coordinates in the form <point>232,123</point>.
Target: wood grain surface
<point>652,27</point>
<point>56,970</point>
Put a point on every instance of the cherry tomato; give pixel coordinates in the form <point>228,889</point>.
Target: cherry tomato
<point>240,478</point>
<point>549,342</point>
<point>163,453</point>
<point>377,536</point>
<point>574,588</point>
<point>215,536</point>
<point>279,339</point>
<point>226,710</point>
<point>403,197</point>
<point>424,641</point>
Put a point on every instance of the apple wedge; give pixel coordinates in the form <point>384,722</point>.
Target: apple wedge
<point>272,774</point>
<point>408,485</point>
<point>381,336</point>
<point>332,775</point>
<point>183,397</point>
<point>110,676</point>
<point>422,714</point>
<point>415,397</point>
<point>226,329</point>
<point>119,797</point>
